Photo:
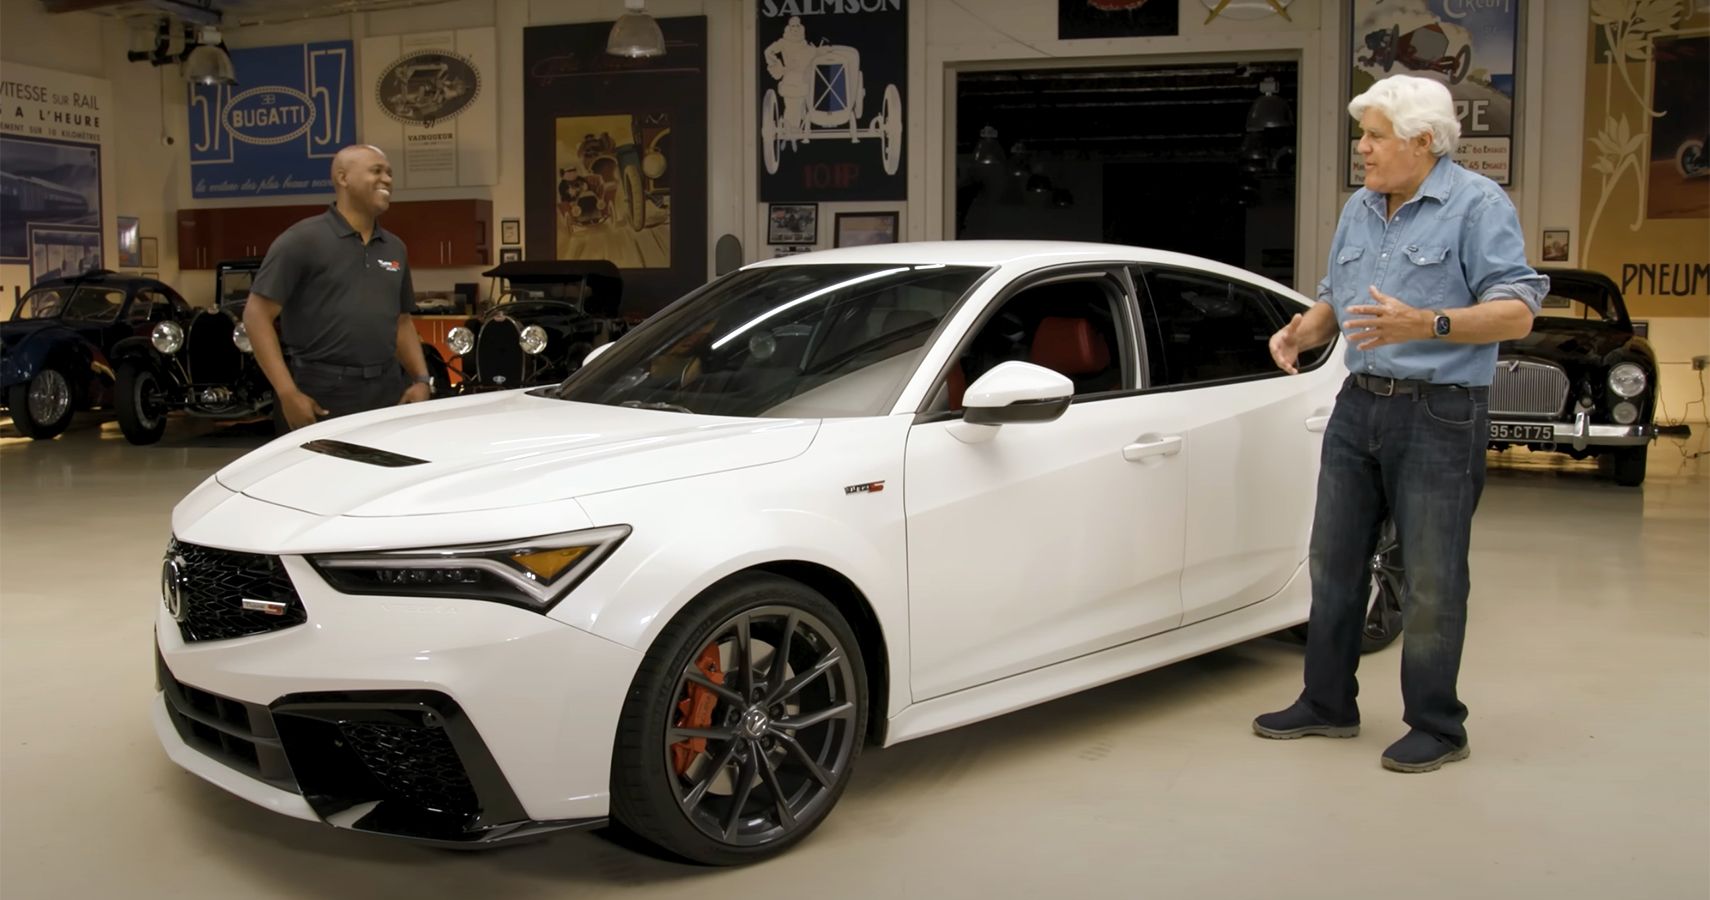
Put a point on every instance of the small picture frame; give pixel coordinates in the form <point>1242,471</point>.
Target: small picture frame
<point>150,253</point>
<point>510,254</point>
<point>130,249</point>
<point>792,223</point>
<point>1556,245</point>
<point>510,232</point>
<point>860,229</point>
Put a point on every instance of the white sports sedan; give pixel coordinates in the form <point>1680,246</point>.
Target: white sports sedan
<point>866,494</point>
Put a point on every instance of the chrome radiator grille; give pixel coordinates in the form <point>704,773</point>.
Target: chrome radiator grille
<point>1525,389</point>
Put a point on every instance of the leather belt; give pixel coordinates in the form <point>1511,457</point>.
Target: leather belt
<point>374,371</point>
<point>1384,386</point>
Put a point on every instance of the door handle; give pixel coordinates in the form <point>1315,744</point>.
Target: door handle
<point>1317,424</point>
<point>1152,447</point>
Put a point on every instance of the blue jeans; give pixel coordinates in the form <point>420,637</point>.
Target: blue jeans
<point>1419,458</point>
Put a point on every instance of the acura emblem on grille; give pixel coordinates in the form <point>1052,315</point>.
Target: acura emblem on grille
<point>172,586</point>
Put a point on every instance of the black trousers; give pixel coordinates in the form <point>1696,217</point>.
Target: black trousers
<point>342,390</point>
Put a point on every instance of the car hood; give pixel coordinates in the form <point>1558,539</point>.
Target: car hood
<point>498,451</point>
<point>1567,342</point>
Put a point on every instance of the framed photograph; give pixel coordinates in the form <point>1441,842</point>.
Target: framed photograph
<point>510,254</point>
<point>57,252</point>
<point>510,232</point>
<point>130,250</point>
<point>864,228</point>
<point>150,252</point>
<point>1555,245</point>
<point>792,223</point>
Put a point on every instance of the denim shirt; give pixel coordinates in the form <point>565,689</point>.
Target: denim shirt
<point>1455,243</point>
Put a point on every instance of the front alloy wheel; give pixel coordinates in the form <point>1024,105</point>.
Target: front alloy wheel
<point>743,725</point>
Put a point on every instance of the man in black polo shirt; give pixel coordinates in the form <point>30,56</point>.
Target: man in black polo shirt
<point>343,285</point>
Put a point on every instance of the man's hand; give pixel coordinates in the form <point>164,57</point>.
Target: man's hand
<point>416,393</point>
<point>1285,345</point>
<point>301,410</point>
<point>1389,322</point>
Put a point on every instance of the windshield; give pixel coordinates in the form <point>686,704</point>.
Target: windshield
<point>808,341</point>
<point>85,304</point>
<point>1585,301</point>
<point>234,285</point>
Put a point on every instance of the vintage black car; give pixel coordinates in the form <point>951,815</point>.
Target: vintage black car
<point>1582,383</point>
<point>202,367</point>
<point>57,350</point>
<point>548,315</point>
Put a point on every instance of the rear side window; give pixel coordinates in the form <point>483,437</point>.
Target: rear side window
<point>1201,328</point>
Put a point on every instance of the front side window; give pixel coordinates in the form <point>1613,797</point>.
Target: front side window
<point>84,304</point>
<point>1204,329</point>
<point>808,341</point>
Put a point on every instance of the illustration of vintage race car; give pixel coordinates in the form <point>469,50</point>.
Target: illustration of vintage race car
<point>835,97</point>
<point>610,173</point>
<point>1424,49</point>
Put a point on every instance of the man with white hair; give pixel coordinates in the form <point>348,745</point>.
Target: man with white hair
<point>343,285</point>
<point>1428,274</point>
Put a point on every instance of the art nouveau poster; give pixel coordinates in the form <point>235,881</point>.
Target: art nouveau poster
<point>430,101</point>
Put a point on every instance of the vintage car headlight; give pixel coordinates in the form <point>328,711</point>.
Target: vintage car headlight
<point>461,340</point>
<point>1625,413</point>
<point>1627,380</point>
<point>167,337</point>
<point>534,573</point>
<point>240,337</point>
<point>533,340</point>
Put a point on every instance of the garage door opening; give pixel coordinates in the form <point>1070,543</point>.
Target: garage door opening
<point>1196,158</point>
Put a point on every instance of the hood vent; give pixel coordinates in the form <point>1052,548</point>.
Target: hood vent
<point>361,454</point>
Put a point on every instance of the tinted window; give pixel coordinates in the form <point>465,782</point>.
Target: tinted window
<point>1071,327</point>
<point>88,304</point>
<point>1203,328</point>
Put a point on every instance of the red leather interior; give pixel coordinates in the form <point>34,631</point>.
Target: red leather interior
<point>1069,346</point>
<point>956,385</point>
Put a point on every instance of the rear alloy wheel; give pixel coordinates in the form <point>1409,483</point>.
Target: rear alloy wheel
<point>41,407</point>
<point>141,405</point>
<point>743,724</point>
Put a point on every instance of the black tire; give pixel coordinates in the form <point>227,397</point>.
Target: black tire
<point>1629,465</point>
<point>682,797</point>
<point>1388,592</point>
<point>51,387</point>
<point>141,409</point>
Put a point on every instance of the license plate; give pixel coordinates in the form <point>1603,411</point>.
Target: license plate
<point>1538,433</point>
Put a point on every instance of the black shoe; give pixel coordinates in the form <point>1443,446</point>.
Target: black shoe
<point>1299,721</point>
<point>1420,751</point>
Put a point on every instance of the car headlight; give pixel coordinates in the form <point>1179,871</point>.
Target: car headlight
<point>533,340</point>
<point>461,340</point>
<point>240,337</point>
<point>1627,380</point>
<point>167,337</point>
<point>534,573</point>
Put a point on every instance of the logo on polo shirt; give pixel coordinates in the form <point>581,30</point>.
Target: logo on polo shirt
<point>390,265</point>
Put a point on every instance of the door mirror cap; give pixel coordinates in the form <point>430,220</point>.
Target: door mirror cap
<point>1017,392</point>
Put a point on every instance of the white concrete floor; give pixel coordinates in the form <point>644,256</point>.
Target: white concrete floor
<point>1587,671</point>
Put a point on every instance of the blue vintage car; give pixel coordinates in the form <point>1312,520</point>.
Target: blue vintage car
<point>57,349</point>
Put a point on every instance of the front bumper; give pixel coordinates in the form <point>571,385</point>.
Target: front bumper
<point>1578,434</point>
<point>447,721</point>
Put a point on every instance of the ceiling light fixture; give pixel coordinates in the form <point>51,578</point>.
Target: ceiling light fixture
<point>208,61</point>
<point>635,34</point>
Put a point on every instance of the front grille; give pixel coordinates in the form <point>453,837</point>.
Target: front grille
<point>209,352</point>
<point>414,762</point>
<point>1525,389</point>
<point>498,353</point>
<point>213,584</point>
<point>239,734</point>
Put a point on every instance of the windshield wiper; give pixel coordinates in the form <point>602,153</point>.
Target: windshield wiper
<point>667,407</point>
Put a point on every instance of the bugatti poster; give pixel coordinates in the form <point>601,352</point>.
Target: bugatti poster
<point>833,90</point>
<point>275,132</point>
<point>430,104</point>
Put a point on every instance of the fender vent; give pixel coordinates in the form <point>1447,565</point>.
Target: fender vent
<point>361,454</point>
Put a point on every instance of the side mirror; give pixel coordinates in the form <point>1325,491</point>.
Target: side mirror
<point>596,352</point>
<point>1012,393</point>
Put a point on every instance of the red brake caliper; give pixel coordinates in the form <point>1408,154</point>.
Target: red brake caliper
<point>697,710</point>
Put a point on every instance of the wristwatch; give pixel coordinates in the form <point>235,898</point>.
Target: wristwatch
<point>1439,324</point>
<point>423,379</point>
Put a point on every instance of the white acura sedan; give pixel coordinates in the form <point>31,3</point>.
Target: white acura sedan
<point>866,494</point>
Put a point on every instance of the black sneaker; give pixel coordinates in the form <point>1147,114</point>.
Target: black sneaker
<point>1422,752</point>
<point>1299,721</point>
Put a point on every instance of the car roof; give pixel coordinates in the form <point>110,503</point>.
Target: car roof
<point>1025,254</point>
<point>100,276</point>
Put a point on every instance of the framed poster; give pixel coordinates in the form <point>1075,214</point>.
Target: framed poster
<point>277,131</point>
<point>510,254</point>
<point>1555,245</point>
<point>130,251</point>
<point>792,223</point>
<point>833,82</point>
<point>615,156</point>
<point>67,177</point>
<point>430,102</point>
<point>1472,48</point>
<point>149,252</point>
<point>57,251</point>
<point>510,232</point>
<point>863,228</point>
